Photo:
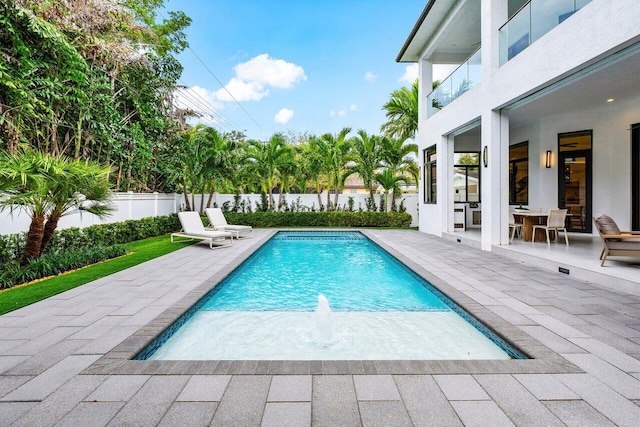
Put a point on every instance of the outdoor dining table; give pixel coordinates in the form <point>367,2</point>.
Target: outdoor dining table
<point>529,219</point>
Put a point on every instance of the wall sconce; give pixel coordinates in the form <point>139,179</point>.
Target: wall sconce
<point>485,156</point>
<point>547,163</point>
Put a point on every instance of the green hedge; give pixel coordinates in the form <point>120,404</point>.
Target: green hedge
<point>12,246</point>
<point>321,219</point>
<point>55,263</point>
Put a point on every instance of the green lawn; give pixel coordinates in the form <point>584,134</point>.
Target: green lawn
<point>139,252</point>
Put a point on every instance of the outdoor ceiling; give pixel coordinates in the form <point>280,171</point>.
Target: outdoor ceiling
<point>619,80</point>
<point>455,43</point>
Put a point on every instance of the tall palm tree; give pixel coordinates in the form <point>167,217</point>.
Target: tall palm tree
<point>311,168</point>
<point>335,156</point>
<point>399,157</point>
<point>264,159</point>
<point>367,158</point>
<point>402,112</point>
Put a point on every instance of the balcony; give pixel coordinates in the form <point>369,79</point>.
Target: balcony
<point>461,80</point>
<point>535,19</point>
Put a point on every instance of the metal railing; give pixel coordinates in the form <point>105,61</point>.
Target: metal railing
<point>461,80</point>
<point>534,19</point>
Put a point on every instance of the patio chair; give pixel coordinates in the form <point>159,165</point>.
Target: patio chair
<point>555,222</point>
<point>219,222</point>
<point>616,242</point>
<point>192,228</point>
<point>514,227</point>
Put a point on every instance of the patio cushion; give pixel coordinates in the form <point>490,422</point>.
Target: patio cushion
<point>607,225</point>
<point>624,245</point>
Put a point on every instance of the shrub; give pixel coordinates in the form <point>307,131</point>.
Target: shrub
<point>321,219</point>
<point>11,246</point>
<point>55,263</point>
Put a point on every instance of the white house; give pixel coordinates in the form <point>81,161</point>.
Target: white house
<point>547,92</point>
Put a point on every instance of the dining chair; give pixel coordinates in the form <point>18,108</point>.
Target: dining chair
<point>514,227</point>
<point>555,222</point>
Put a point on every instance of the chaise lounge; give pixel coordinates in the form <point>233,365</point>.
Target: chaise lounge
<point>616,242</point>
<point>192,228</point>
<point>219,222</point>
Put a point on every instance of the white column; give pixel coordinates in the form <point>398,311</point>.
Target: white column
<point>447,192</point>
<point>425,72</point>
<point>495,178</point>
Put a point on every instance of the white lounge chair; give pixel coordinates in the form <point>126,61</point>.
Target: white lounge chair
<point>192,228</point>
<point>219,222</point>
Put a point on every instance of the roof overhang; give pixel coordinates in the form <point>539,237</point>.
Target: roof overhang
<point>449,29</point>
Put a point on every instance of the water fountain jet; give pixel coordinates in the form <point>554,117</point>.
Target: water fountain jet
<point>324,320</point>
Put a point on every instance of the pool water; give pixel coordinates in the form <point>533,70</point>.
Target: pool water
<point>380,310</point>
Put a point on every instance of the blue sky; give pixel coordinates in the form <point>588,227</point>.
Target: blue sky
<point>300,66</point>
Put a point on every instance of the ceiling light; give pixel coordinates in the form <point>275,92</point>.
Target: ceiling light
<point>610,100</point>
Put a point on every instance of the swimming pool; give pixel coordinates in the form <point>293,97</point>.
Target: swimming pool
<point>380,310</point>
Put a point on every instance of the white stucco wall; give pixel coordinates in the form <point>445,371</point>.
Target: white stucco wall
<point>599,29</point>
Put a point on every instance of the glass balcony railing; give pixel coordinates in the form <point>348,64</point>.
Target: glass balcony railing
<point>461,80</point>
<point>535,19</point>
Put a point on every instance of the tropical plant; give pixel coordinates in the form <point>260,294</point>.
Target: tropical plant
<point>46,188</point>
<point>334,153</point>
<point>401,111</point>
<point>398,159</point>
<point>264,161</point>
<point>367,158</point>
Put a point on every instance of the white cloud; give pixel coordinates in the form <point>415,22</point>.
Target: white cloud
<point>254,77</point>
<point>353,107</point>
<point>410,74</point>
<point>369,76</point>
<point>242,91</point>
<point>273,72</point>
<point>332,113</point>
<point>283,116</point>
<point>342,113</point>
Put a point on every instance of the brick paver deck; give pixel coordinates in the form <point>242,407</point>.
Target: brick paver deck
<point>65,361</point>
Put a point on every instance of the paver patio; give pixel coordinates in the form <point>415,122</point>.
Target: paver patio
<point>65,361</point>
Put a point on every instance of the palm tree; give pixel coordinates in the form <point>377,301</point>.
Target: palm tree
<point>402,112</point>
<point>310,168</point>
<point>264,159</point>
<point>367,157</point>
<point>335,155</point>
<point>398,156</point>
<point>390,181</point>
<point>48,187</point>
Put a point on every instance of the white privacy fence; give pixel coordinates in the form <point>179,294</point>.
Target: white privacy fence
<point>140,205</point>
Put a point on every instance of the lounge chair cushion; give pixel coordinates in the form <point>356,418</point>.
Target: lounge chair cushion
<point>624,245</point>
<point>607,225</point>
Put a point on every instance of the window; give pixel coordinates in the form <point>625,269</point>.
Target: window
<point>466,177</point>
<point>430,175</point>
<point>519,174</point>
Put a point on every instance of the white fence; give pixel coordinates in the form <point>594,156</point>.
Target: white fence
<point>141,205</point>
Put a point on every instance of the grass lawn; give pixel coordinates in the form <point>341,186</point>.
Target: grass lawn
<point>139,252</point>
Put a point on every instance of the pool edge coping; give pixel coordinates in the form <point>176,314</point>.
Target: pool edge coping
<point>119,360</point>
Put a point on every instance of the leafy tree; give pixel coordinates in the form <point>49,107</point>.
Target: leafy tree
<point>390,181</point>
<point>398,157</point>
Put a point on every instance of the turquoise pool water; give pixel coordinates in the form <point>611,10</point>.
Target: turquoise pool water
<point>293,268</point>
<point>380,309</point>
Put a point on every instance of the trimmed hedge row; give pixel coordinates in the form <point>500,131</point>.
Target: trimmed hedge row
<point>12,246</point>
<point>55,263</point>
<point>321,219</point>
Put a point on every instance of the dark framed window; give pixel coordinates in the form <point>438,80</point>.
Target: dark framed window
<point>519,174</point>
<point>466,177</point>
<point>430,175</point>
